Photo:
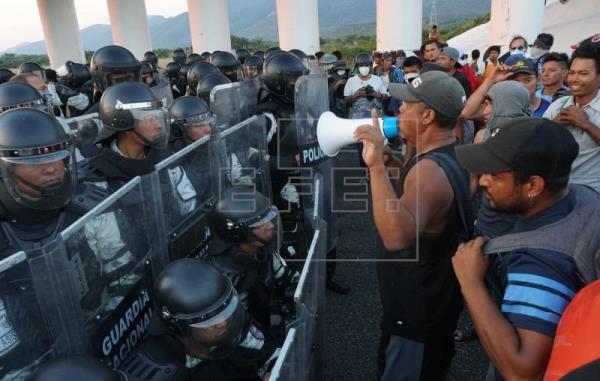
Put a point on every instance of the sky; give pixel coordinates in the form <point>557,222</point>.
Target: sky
<point>21,23</point>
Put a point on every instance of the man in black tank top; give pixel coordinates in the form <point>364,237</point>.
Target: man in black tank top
<point>419,226</point>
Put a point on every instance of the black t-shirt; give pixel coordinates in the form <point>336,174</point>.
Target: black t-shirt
<point>463,82</point>
<point>419,293</point>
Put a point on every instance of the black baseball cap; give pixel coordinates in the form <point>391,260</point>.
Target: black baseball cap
<point>537,146</point>
<point>436,89</point>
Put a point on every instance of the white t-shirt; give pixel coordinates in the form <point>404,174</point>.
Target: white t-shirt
<point>355,83</point>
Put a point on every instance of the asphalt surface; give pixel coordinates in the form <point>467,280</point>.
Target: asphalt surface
<point>352,321</point>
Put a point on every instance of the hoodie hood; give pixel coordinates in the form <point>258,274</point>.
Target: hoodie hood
<point>509,99</point>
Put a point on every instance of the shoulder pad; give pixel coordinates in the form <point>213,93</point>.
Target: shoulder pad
<point>86,197</point>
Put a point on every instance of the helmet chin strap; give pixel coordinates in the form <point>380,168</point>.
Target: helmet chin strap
<point>145,140</point>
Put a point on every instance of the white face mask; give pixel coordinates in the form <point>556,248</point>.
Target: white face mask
<point>341,73</point>
<point>537,52</point>
<point>364,70</point>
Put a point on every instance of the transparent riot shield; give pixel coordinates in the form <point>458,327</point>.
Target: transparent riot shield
<point>311,99</point>
<point>243,157</point>
<point>33,316</point>
<point>234,102</point>
<point>85,130</point>
<point>285,368</point>
<point>162,88</point>
<point>186,185</point>
<point>112,255</point>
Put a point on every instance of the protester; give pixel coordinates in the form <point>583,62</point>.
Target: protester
<point>553,75</point>
<point>540,49</point>
<point>448,59</point>
<point>477,65</point>
<point>431,50</point>
<point>491,61</point>
<point>524,71</point>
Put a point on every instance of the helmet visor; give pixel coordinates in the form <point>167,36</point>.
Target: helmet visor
<point>41,181</point>
<point>152,126</point>
<point>267,230</point>
<point>199,126</point>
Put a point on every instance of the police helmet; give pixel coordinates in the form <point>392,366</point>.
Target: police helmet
<point>197,302</point>
<point>252,66</point>
<point>364,59</point>
<point>241,54</point>
<point>196,72</point>
<point>20,95</point>
<point>151,58</point>
<point>148,72</point>
<point>173,69</point>
<point>327,59</point>
<point>260,53</point>
<point>272,50</point>
<point>134,106</point>
<point>113,64</point>
<point>77,74</point>
<point>35,140</point>
<point>77,368</point>
<point>208,82</point>
<point>193,58</point>
<point>205,56</point>
<point>280,73</point>
<point>239,211</point>
<point>179,56</point>
<point>227,64</point>
<point>5,75</point>
<point>299,53</point>
<point>33,68</point>
<point>188,112</point>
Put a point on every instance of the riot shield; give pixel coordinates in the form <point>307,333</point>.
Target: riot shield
<point>33,322</point>
<point>311,99</point>
<point>286,368</point>
<point>112,255</point>
<point>186,185</point>
<point>162,88</point>
<point>85,130</point>
<point>234,102</point>
<point>243,156</point>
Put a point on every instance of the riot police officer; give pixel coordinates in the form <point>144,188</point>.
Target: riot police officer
<point>148,74</point>
<point>151,58</point>
<point>205,56</point>
<point>252,67</point>
<point>241,55</point>
<point>193,58</point>
<point>207,83</point>
<point>249,225</point>
<point>271,51</point>
<point>15,95</point>
<point>110,65</point>
<point>196,72</point>
<point>77,368</point>
<point>200,331</point>
<point>33,68</point>
<point>76,77</point>
<point>227,64</point>
<point>5,75</point>
<point>300,54</point>
<point>179,56</point>
<point>172,71</point>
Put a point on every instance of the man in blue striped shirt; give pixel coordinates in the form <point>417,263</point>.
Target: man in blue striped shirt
<point>524,169</point>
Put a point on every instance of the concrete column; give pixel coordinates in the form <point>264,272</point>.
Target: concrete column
<point>399,24</point>
<point>61,31</point>
<point>129,24</point>
<point>209,25</point>
<point>512,17</point>
<point>298,24</point>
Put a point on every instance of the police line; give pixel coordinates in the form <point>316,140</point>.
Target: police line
<point>90,291</point>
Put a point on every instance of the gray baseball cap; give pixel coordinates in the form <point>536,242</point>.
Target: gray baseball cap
<point>451,53</point>
<point>436,89</point>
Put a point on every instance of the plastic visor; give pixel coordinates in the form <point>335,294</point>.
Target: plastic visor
<point>152,126</point>
<point>39,159</point>
<point>224,315</point>
<point>271,215</point>
<point>39,104</point>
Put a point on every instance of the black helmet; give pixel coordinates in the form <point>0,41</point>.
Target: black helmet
<point>299,53</point>
<point>242,54</point>
<point>36,140</point>
<point>33,68</point>
<point>260,53</point>
<point>239,210</point>
<point>150,57</point>
<point>208,82</point>
<point>20,95</point>
<point>191,297</point>
<point>193,58</point>
<point>252,66</point>
<point>280,73</point>
<point>113,64</point>
<point>76,368</point>
<point>184,70</point>
<point>364,59</point>
<point>148,72</point>
<point>173,69</point>
<point>179,56</point>
<point>77,74</point>
<point>270,51</point>
<point>187,112</point>
<point>134,106</point>
<point>5,75</point>
<point>227,64</point>
<point>196,72</point>
<point>147,69</point>
<point>205,56</point>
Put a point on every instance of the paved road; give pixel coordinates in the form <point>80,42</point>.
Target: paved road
<point>351,333</point>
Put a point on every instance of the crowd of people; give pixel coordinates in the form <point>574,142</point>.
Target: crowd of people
<point>486,199</point>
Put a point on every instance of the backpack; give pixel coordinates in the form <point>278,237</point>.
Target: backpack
<point>577,235</point>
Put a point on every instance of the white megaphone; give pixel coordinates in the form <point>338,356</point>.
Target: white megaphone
<point>334,133</point>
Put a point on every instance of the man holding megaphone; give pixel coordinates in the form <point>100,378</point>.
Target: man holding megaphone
<point>419,225</point>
